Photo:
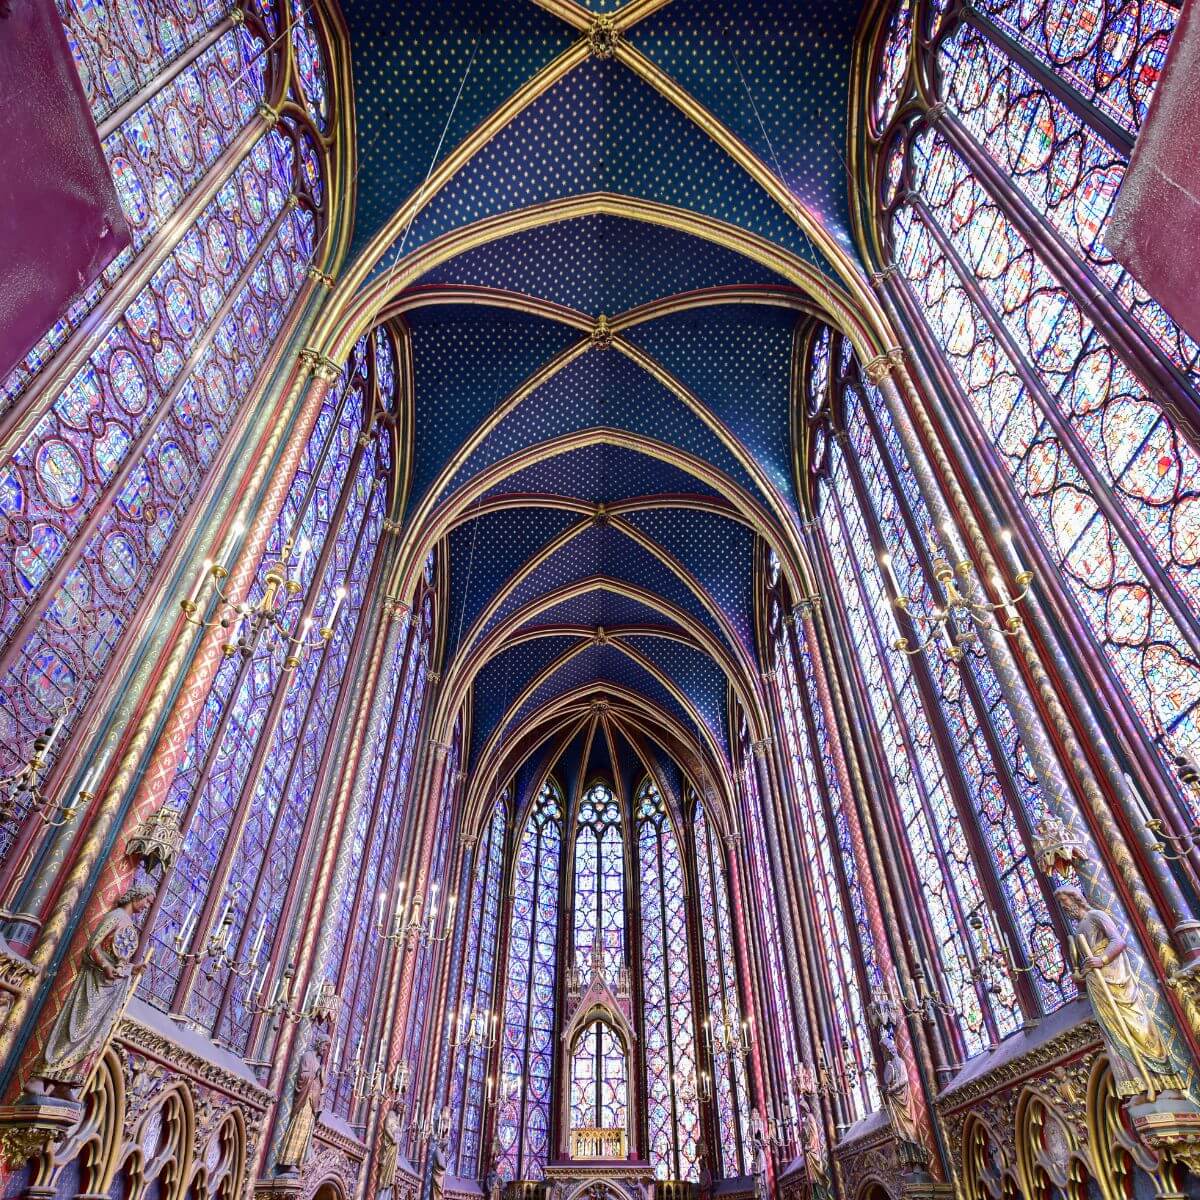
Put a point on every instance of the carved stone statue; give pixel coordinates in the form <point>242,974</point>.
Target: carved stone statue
<point>1141,1062</point>
<point>306,1105</point>
<point>389,1150</point>
<point>438,1170</point>
<point>107,976</point>
<point>897,1091</point>
<point>758,1147</point>
<point>706,1175</point>
<point>491,1184</point>
<point>808,1133</point>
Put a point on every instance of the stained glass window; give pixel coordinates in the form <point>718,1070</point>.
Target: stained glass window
<point>673,1070</point>
<point>126,412</point>
<point>599,1079</point>
<point>766,913</point>
<point>527,1048</point>
<point>476,1016</point>
<point>730,1091</point>
<point>363,908</point>
<point>255,759</point>
<point>417,1051</point>
<point>1070,375</point>
<point>599,879</point>
<point>829,877</point>
<point>1001,792</point>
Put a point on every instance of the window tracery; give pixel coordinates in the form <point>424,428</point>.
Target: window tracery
<point>995,212</point>
<point>673,1069</point>
<point>527,1049</point>
<point>730,1089</point>
<point>252,764</point>
<point>97,492</point>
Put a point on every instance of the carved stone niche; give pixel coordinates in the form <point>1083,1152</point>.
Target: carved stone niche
<point>17,977</point>
<point>874,1165</point>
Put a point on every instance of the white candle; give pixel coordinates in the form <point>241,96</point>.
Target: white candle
<point>952,541</point>
<point>338,597</point>
<point>92,781</point>
<point>1010,541</point>
<point>55,730</point>
<point>301,559</point>
<point>885,561</point>
<point>258,938</point>
<point>227,550</point>
<point>194,594</point>
<point>1143,811</point>
<point>185,928</point>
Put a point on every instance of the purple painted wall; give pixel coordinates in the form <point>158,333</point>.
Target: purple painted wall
<point>1155,228</point>
<point>60,219</point>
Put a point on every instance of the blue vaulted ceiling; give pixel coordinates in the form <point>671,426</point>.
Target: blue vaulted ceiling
<point>671,456</point>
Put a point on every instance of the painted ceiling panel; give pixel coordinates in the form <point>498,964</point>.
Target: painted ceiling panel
<point>603,129</point>
<point>487,551</point>
<point>596,667</point>
<point>602,474</point>
<point>466,359</point>
<point>409,61</point>
<point>717,551</point>
<point>602,607</point>
<point>737,359</point>
<point>603,389</point>
<point>775,72</point>
<point>601,264</point>
<point>604,550</point>
<point>501,681</point>
<point>695,674</point>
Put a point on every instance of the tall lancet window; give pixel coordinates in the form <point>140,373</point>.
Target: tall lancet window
<point>599,879</point>
<point>527,1049</point>
<point>1073,385</point>
<point>259,753</point>
<point>832,886</point>
<point>765,914</point>
<point>721,993</point>
<point>963,787</point>
<point>117,419</point>
<point>476,1021</point>
<point>374,853</point>
<point>672,1069</point>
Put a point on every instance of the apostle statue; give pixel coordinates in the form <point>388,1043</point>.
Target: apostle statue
<point>492,1185</point>
<point>808,1134</point>
<point>437,1169</point>
<point>389,1150</point>
<point>758,1146</point>
<point>106,979</point>
<point>307,1100</point>
<point>1141,1061</point>
<point>894,1081</point>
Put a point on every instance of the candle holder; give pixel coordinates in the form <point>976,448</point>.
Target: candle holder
<point>474,1029</point>
<point>248,624</point>
<point>411,927</point>
<point>964,607</point>
<point>917,999</point>
<point>998,960</point>
<point>21,793</point>
<point>730,1037</point>
<point>213,955</point>
<point>688,1090</point>
<point>1174,847</point>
